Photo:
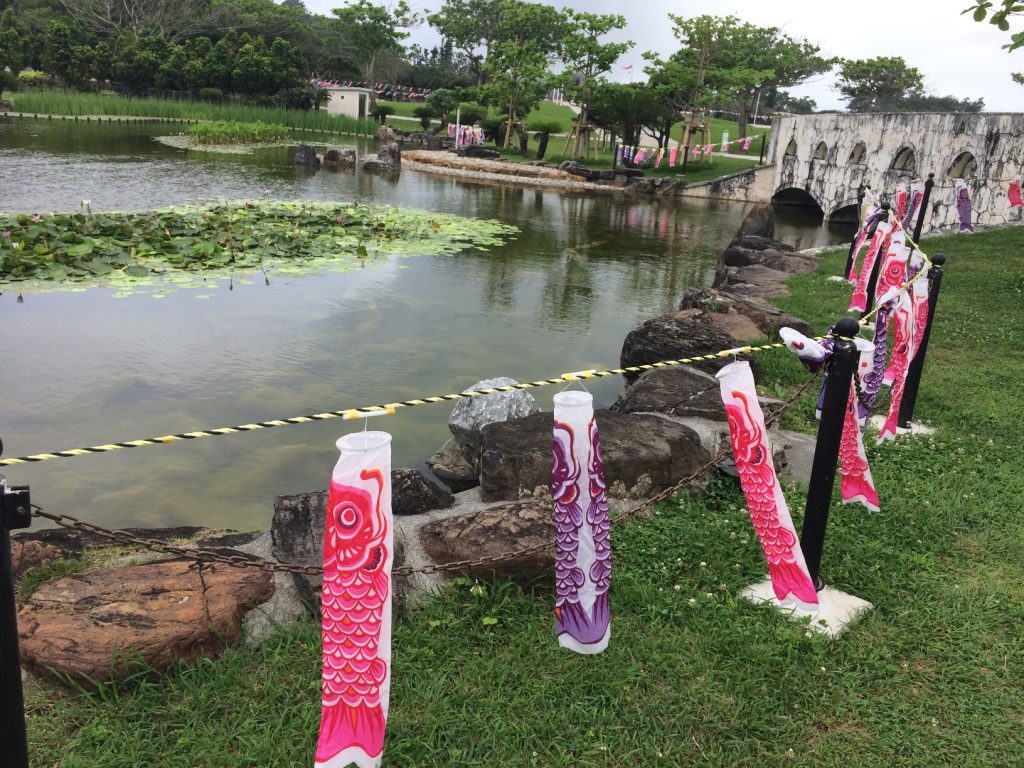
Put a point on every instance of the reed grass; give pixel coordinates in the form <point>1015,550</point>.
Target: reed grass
<point>79,104</point>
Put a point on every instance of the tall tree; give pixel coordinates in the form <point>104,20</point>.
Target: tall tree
<point>470,26</point>
<point>586,59</point>
<point>137,18</point>
<point>731,62</point>
<point>880,84</point>
<point>371,32</point>
<point>1002,11</point>
<point>520,59</point>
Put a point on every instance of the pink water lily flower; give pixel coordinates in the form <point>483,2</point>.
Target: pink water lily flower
<point>6,234</point>
<point>37,218</point>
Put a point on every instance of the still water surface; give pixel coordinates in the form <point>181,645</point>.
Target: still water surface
<point>78,369</point>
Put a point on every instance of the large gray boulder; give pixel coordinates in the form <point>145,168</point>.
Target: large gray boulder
<point>297,529</point>
<point>470,415</point>
<point>641,453</point>
<point>767,317</point>
<point>496,531</point>
<point>683,334</point>
<point>455,466</point>
<point>760,221</point>
<point>680,390</point>
<point>306,155</point>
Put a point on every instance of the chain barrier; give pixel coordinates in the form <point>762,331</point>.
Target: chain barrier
<point>203,556</point>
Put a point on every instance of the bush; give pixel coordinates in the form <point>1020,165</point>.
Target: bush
<point>472,113</point>
<point>425,113</point>
<point>211,94</point>
<point>381,112</point>
<point>34,78</point>
<point>494,128</point>
<point>8,82</point>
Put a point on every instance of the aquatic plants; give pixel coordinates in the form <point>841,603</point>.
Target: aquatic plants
<point>188,246</point>
<point>233,132</point>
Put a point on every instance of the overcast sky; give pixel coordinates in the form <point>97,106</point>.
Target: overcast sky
<point>956,55</point>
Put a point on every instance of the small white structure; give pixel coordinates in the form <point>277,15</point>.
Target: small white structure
<point>349,101</point>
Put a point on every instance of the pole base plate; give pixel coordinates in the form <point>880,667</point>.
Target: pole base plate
<point>836,609</point>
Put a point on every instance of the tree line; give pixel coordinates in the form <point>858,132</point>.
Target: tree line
<point>504,54</point>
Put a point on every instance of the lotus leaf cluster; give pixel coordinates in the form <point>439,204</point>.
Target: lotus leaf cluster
<point>187,246</point>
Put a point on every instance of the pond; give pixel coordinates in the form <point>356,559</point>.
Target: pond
<point>85,368</point>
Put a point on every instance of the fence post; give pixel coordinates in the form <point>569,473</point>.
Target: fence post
<point>924,206</point>
<point>761,159</point>
<point>853,240</point>
<point>879,258</point>
<point>906,414</point>
<point>15,513</point>
<point>826,450</point>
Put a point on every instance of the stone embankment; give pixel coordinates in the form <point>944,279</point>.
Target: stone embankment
<point>499,171</point>
<point>666,424</point>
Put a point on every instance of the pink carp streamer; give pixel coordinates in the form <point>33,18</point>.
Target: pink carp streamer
<point>919,294</point>
<point>889,289</point>
<point>583,570</point>
<point>356,604</point>
<point>916,196</point>
<point>877,249</point>
<point>963,206</point>
<point>768,510</point>
<point>902,354</point>
<point>856,485</point>
<point>900,197</point>
<point>1013,194</point>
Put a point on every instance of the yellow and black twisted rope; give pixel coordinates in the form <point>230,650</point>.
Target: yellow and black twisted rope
<point>378,410</point>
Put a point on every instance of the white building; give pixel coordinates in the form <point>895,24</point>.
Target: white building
<point>348,101</point>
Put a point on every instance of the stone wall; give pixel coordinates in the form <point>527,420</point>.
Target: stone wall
<point>830,156</point>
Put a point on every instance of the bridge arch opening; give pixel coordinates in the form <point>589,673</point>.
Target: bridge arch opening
<point>795,197</point>
<point>821,151</point>
<point>905,161</point>
<point>963,166</point>
<point>791,148</point>
<point>857,155</point>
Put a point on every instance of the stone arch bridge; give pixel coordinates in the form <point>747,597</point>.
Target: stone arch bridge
<point>822,160</point>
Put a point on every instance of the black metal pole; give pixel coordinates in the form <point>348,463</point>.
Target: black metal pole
<point>14,513</point>
<point>906,414</point>
<point>879,258</point>
<point>826,451</point>
<point>761,160</point>
<point>686,153</point>
<point>853,241</point>
<point>924,205</point>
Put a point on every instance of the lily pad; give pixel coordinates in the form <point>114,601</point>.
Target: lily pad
<point>185,247</point>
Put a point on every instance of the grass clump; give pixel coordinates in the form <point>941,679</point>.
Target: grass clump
<point>223,132</point>
<point>72,104</point>
<point>694,675</point>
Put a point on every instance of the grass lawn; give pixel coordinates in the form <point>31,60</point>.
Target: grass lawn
<point>694,675</point>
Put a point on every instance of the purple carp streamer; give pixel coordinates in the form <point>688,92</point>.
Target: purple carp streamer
<point>916,196</point>
<point>963,206</point>
<point>583,541</point>
<point>890,281</point>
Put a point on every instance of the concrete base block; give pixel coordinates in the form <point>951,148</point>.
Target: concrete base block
<point>915,429</point>
<point>836,610</point>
